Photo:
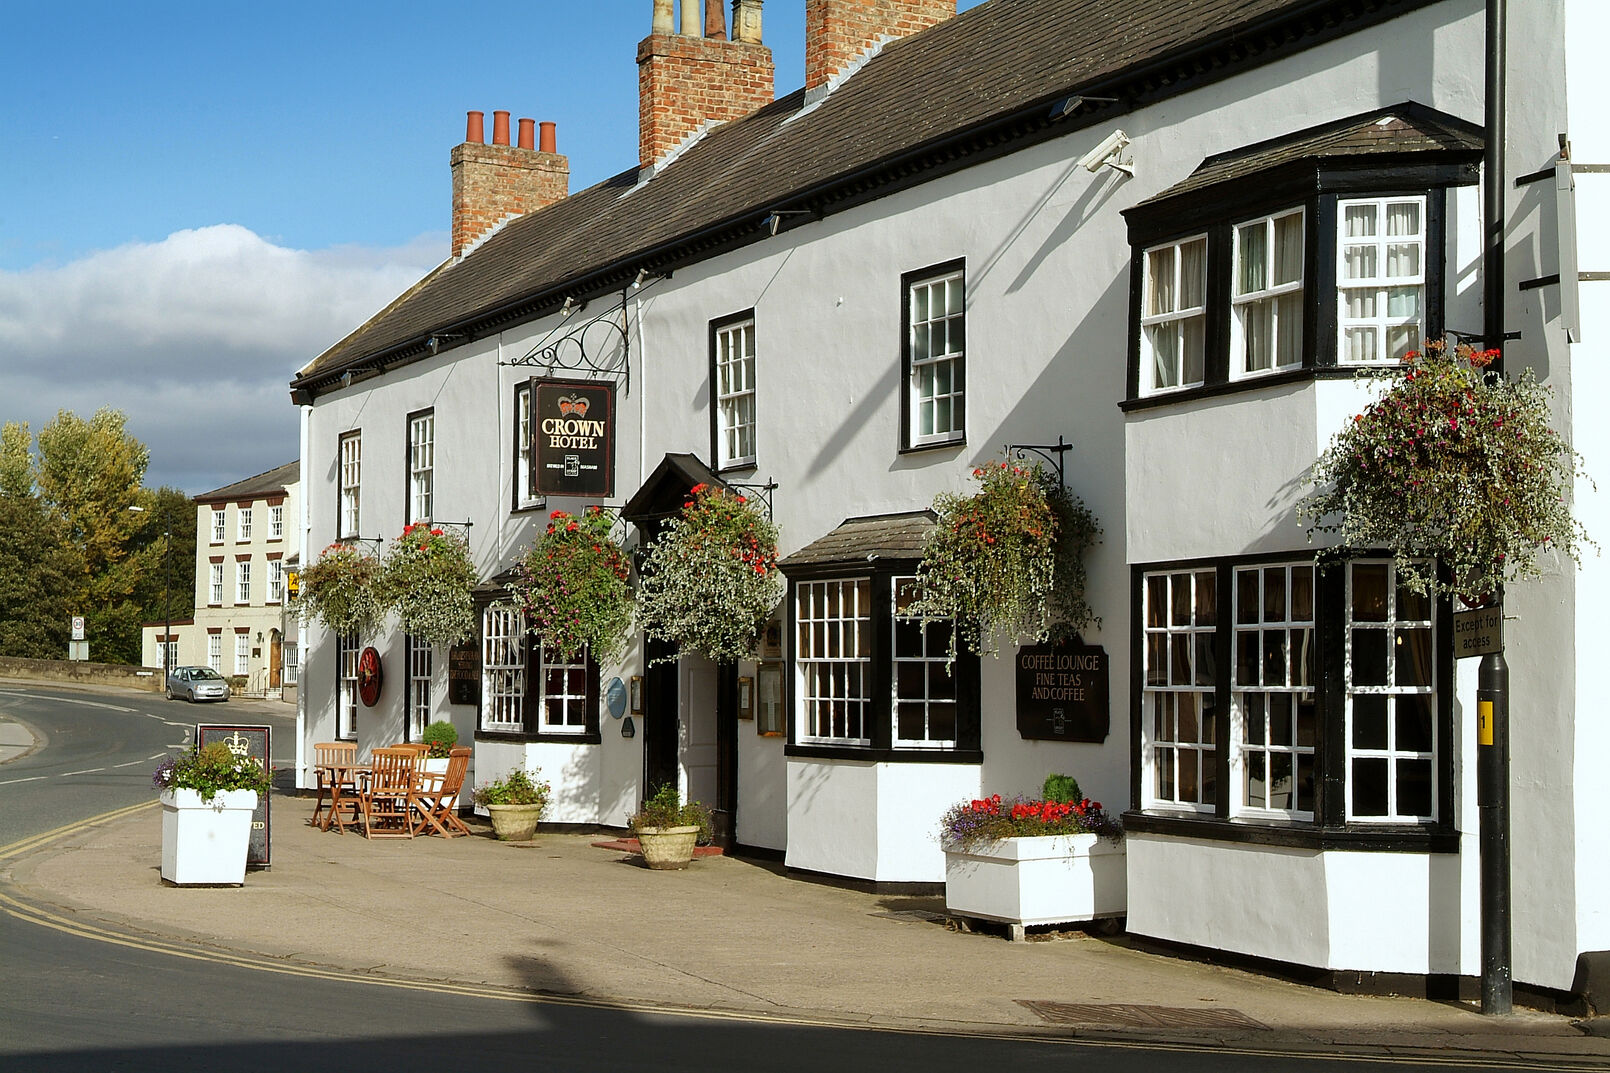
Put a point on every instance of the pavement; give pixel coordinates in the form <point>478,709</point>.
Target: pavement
<point>559,919</point>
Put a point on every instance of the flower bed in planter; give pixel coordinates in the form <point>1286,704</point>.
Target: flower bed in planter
<point>1046,879</point>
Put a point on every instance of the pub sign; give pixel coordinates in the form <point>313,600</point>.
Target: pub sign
<point>573,438</point>
<point>252,741</point>
<point>1062,692</point>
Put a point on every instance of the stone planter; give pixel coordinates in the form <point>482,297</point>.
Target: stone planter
<point>1054,879</point>
<point>514,823</point>
<point>204,843</point>
<point>667,847</point>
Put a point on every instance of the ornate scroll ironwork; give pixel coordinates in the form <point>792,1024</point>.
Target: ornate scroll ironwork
<point>1050,452</point>
<point>599,349</point>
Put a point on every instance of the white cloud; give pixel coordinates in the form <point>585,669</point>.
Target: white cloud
<point>195,338</point>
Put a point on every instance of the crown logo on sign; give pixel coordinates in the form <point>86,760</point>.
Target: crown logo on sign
<point>238,744</point>
<point>573,404</point>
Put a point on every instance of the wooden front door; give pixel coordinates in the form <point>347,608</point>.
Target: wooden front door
<point>276,659</point>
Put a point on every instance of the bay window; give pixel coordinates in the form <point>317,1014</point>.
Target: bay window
<point>530,693</point>
<point>833,660</point>
<point>1173,322</point>
<point>1267,300</point>
<point>1380,278</point>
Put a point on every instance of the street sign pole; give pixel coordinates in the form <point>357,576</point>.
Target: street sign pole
<point>1492,805</point>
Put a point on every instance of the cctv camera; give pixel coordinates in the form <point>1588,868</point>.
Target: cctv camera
<point>1103,153</point>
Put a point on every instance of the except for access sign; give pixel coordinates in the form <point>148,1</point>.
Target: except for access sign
<point>573,438</point>
<point>1479,632</point>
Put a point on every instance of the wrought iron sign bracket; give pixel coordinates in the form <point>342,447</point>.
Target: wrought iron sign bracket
<point>1050,452</point>
<point>599,349</point>
<point>764,491</point>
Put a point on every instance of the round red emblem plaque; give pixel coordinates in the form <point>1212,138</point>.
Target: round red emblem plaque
<point>369,677</point>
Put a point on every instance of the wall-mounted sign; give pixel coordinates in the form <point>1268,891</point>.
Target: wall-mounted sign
<point>573,438</point>
<point>369,676</point>
<point>1062,692</point>
<point>252,741</point>
<point>615,697</point>
<point>464,673</point>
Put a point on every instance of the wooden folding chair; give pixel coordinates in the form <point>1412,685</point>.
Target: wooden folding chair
<point>416,746</point>
<point>438,799</point>
<point>390,794</point>
<point>333,762</point>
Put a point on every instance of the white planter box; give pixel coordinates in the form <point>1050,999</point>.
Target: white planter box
<point>204,843</point>
<point>439,767</point>
<point>1053,879</point>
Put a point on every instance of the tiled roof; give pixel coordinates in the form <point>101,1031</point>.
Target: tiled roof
<point>947,96</point>
<point>862,540</point>
<point>1405,129</point>
<point>274,481</point>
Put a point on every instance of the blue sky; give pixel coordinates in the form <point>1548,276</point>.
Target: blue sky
<point>198,198</point>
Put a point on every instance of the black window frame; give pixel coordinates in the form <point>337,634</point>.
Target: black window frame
<point>1330,828</point>
<point>1317,188</point>
<point>966,668</point>
<point>716,327</point>
<point>530,706</point>
<point>523,501</point>
<point>907,279</point>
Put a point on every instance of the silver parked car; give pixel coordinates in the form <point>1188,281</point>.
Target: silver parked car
<point>197,683</point>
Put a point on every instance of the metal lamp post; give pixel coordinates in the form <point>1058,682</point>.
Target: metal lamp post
<point>167,604</point>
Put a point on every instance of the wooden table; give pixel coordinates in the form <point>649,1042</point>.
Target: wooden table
<point>342,779</point>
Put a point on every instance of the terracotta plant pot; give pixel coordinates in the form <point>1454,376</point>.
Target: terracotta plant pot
<point>667,847</point>
<point>514,823</point>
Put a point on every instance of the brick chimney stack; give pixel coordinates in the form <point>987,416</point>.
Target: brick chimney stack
<point>686,80</point>
<point>493,183</point>
<point>840,32</point>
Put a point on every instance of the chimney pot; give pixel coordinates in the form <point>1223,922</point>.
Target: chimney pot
<point>715,20</point>
<point>528,134</point>
<point>663,22</point>
<point>746,21</point>
<point>475,127</point>
<point>500,128</point>
<point>550,141</point>
<point>690,18</point>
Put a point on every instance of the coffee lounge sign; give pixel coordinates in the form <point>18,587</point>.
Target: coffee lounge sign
<point>573,438</point>
<point>1062,692</point>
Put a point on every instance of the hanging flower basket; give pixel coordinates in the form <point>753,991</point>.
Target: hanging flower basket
<point>341,591</point>
<point>429,578</point>
<point>571,584</point>
<point>1008,557</point>
<point>1453,465</point>
<point>711,580</point>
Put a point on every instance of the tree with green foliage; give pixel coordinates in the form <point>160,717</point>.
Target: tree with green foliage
<point>39,580</point>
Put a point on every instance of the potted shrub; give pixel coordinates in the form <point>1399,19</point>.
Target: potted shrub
<point>428,579</point>
<point>571,584</point>
<point>667,828</point>
<point>514,803</point>
<point>439,737</point>
<point>1008,557</point>
<point>1054,859</point>
<point>1451,466</point>
<point>342,591</point>
<point>208,795</point>
<point>711,580</point>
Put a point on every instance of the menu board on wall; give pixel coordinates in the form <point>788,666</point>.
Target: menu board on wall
<point>464,673</point>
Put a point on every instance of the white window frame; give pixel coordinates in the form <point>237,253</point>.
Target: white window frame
<point>169,651</point>
<point>931,657</point>
<point>735,393</point>
<point>927,366</point>
<point>290,654</point>
<point>523,497</point>
<point>276,581</point>
<point>243,525</point>
<point>503,669</point>
<point>1271,292</point>
<point>834,690</point>
<point>243,582</point>
<point>215,584</point>
<point>1255,753</point>
<point>1380,285</point>
<point>1393,626</point>
<point>350,453</point>
<point>1167,689</point>
<point>1173,322</point>
<point>243,653</point>
<point>215,652</point>
<point>421,663</point>
<point>421,466</point>
<point>276,523</point>
<point>563,710</point>
<point>347,651</point>
<point>217,526</point>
